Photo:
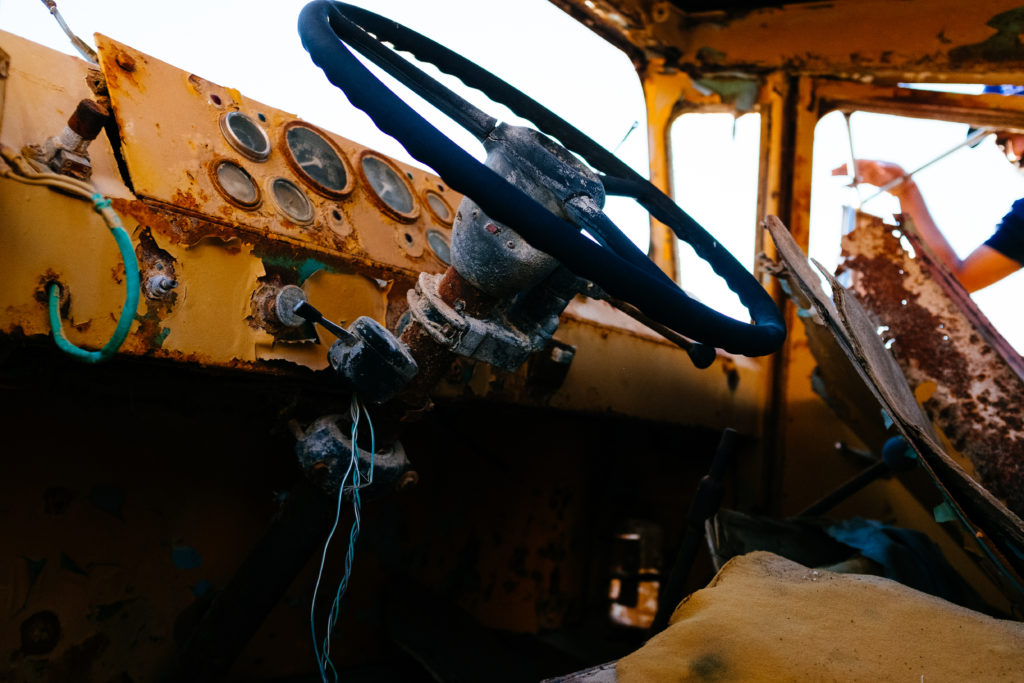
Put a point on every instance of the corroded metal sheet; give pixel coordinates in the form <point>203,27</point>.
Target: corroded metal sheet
<point>170,124</point>
<point>937,36</point>
<point>946,348</point>
<point>221,254</point>
<point>977,508</point>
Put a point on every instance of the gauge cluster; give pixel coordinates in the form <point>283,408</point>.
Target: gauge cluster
<point>323,169</point>
<point>253,169</point>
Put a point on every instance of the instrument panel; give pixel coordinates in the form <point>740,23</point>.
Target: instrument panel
<point>210,151</point>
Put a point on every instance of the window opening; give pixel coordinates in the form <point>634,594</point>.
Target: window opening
<point>715,161</point>
<point>968,192</point>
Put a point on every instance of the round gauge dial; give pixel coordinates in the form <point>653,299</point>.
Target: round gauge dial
<point>439,245</point>
<point>236,184</point>
<point>389,187</point>
<point>245,135</point>
<point>291,200</point>
<point>439,207</point>
<point>316,160</point>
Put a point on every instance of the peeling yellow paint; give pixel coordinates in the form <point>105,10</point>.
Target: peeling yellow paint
<point>209,317</point>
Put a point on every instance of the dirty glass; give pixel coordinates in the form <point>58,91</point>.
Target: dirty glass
<point>317,158</point>
<point>391,189</point>
<point>292,201</point>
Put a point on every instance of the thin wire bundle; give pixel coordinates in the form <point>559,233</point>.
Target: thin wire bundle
<point>322,650</point>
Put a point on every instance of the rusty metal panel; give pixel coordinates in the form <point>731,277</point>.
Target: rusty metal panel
<point>982,514</point>
<point>42,89</point>
<point>621,367</point>
<point>221,254</point>
<point>968,376</point>
<point>845,37</point>
<point>170,124</point>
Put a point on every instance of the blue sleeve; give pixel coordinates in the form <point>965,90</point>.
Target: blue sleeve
<point>1008,239</point>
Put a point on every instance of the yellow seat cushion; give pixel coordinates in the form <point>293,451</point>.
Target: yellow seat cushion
<point>765,618</point>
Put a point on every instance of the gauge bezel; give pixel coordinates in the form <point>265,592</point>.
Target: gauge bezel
<point>211,170</point>
<point>239,146</point>
<point>427,194</point>
<point>281,210</point>
<point>409,217</point>
<point>301,174</point>
<point>447,241</point>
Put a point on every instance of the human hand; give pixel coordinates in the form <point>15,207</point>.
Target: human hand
<point>873,172</point>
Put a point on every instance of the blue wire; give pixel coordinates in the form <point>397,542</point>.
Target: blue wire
<point>131,299</point>
<point>322,651</point>
<point>323,558</point>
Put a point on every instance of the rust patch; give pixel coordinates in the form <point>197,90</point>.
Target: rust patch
<point>153,262</point>
<point>122,68</point>
<point>186,201</point>
<point>938,336</point>
<point>1004,46</point>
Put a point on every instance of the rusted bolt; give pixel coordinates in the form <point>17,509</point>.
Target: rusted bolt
<point>160,286</point>
<point>125,61</point>
<point>407,482</point>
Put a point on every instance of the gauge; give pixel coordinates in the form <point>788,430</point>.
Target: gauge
<point>245,135</point>
<point>388,185</point>
<point>235,183</point>
<point>439,207</point>
<point>291,200</point>
<point>439,244</point>
<point>316,160</point>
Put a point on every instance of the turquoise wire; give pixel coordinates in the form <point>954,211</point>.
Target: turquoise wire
<point>325,664</point>
<point>131,299</point>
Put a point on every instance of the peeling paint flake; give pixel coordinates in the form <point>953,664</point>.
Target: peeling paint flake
<point>969,376</point>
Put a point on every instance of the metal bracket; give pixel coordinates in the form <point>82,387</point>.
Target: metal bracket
<point>495,340</point>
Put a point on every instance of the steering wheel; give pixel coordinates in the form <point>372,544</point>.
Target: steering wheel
<point>327,29</point>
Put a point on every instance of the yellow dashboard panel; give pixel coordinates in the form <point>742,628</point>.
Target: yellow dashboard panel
<point>234,199</point>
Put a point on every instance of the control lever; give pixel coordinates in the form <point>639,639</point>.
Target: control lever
<point>304,310</point>
<point>367,355</point>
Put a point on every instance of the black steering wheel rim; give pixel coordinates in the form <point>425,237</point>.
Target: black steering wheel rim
<point>328,28</point>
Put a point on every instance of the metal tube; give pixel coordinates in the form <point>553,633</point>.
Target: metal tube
<point>970,140</point>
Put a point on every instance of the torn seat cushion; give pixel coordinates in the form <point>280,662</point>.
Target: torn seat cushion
<point>766,618</point>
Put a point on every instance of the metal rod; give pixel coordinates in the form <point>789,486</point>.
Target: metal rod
<point>853,157</point>
<point>970,140</point>
<point>80,45</point>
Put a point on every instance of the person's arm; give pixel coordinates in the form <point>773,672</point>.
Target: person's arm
<point>981,268</point>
